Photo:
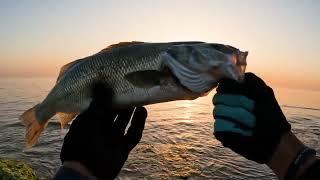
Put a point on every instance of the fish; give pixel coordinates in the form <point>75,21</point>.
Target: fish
<point>139,73</point>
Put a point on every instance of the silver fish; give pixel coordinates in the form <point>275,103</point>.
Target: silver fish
<point>139,73</point>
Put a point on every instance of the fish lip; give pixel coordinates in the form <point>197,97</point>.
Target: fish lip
<point>238,59</point>
<point>241,63</point>
<point>241,58</point>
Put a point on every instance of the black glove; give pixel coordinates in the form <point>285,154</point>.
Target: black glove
<point>248,117</point>
<point>100,143</point>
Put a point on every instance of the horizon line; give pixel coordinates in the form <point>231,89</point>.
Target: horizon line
<point>274,85</point>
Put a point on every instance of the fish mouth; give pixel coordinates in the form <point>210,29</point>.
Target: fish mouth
<point>240,63</point>
<point>238,58</point>
<point>242,60</point>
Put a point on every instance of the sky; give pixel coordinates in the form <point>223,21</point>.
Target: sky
<point>38,37</point>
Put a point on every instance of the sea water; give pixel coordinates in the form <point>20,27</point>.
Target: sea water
<point>177,142</point>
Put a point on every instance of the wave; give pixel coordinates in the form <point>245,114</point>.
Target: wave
<point>299,107</point>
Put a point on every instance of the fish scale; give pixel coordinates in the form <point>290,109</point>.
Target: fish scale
<point>139,74</point>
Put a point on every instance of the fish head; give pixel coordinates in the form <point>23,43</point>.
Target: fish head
<point>231,61</point>
<point>200,66</point>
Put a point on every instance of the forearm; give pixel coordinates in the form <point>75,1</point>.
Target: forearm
<point>285,154</point>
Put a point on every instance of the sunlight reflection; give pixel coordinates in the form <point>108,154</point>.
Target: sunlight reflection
<point>187,103</point>
<point>186,116</point>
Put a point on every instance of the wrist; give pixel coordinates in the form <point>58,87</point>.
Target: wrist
<point>308,163</point>
<point>284,154</point>
<point>77,166</point>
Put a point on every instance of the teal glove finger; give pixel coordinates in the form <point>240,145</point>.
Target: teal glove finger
<point>236,114</point>
<point>234,101</point>
<point>221,125</point>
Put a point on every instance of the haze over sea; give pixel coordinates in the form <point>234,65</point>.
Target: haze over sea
<point>177,141</point>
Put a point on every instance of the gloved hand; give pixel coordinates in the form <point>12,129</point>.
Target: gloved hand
<point>248,118</point>
<point>97,137</point>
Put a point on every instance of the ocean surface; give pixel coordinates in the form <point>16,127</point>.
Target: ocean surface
<point>177,142</point>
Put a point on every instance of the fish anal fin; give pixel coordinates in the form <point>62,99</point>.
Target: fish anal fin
<point>66,67</point>
<point>145,79</point>
<point>120,44</point>
<point>33,127</point>
<point>65,118</point>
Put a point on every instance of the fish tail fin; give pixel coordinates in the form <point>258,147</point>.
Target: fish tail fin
<point>33,127</point>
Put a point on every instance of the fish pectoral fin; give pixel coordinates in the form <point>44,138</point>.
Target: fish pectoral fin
<point>66,67</point>
<point>65,118</point>
<point>145,79</point>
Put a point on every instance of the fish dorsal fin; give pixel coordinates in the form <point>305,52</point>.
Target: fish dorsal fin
<point>120,44</point>
<point>66,67</point>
